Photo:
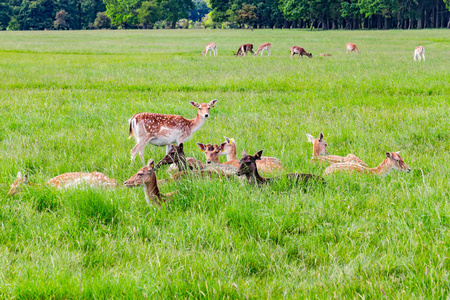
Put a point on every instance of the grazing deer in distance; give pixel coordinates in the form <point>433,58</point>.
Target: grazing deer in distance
<point>244,49</point>
<point>67,180</point>
<point>320,152</point>
<point>419,53</point>
<point>249,168</point>
<point>163,130</point>
<point>393,161</point>
<point>211,47</point>
<point>324,54</point>
<point>146,177</point>
<point>300,51</point>
<point>262,48</point>
<point>266,164</point>
<point>351,47</point>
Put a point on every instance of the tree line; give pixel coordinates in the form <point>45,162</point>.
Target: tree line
<point>313,14</point>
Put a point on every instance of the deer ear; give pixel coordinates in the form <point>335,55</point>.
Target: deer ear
<point>310,138</point>
<point>227,140</point>
<point>258,155</point>
<point>19,175</point>
<point>194,104</point>
<point>213,102</point>
<point>388,154</point>
<point>201,146</point>
<point>321,136</point>
<point>222,146</point>
<point>151,163</point>
<point>25,177</point>
<point>244,153</point>
<point>180,147</point>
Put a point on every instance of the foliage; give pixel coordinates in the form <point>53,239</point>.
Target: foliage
<point>149,14</point>
<point>174,10</point>
<point>13,24</point>
<point>36,14</point>
<point>60,20</point>
<point>102,21</point>
<point>123,13</point>
<point>246,14</point>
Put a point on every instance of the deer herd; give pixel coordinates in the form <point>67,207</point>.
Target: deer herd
<point>172,131</point>
<point>419,52</point>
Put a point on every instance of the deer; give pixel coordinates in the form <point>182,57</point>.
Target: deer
<point>211,47</point>
<point>146,177</point>
<point>243,49</point>
<point>324,54</point>
<point>249,169</point>
<point>164,130</point>
<point>351,47</point>
<point>66,180</point>
<point>262,47</point>
<point>300,51</point>
<point>320,152</point>
<point>419,53</point>
<point>266,164</point>
<point>393,161</point>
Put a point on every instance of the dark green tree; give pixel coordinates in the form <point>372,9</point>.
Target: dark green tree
<point>174,10</point>
<point>102,21</point>
<point>123,13</point>
<point>246,15</point>
<point>149,14</point>
<point>36,14</point>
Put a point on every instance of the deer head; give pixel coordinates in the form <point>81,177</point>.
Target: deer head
<point>248,163</point>
<point>20,181</point>
<point>228,146</point>
<point>142,176</point>
<point>396,162</point>
<point>203,108</point>
<point>174,156</point>
<point>319,145</point>
<point>212,152</point>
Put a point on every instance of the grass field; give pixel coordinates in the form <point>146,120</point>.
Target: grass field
<point>65,98</point>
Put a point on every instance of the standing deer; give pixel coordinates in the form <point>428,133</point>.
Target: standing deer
<point>244,49</point>
<point>163,130</point>
<point>262,48</point>
<point>393,161</point>
<point>351,47</point>
<point>419,53</point>
<point>211,47</point>
<point>249,168</point>
<point>67,180</point>
<point>320,152</point>
<point>146,177</point>
<point>300,51</point>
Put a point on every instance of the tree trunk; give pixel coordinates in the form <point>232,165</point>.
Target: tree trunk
<point>386,23</point>
<point>437,15</point>
<point>333,25</point>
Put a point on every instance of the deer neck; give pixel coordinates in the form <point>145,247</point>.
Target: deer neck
<point>196,123</point>
<point>256,178</point>
<point>151,188</point>
<point>383,168</point>
<point>232,154</point>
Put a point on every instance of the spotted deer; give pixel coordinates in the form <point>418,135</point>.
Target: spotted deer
<point>211,47</point>
<point>351,47</point>
<point>249,169</point>
<point>262,48</point>
<point>300,51</point>
<point>419,53</point>
<point>146,177</point>
<point>164,130</point>
<point>67,180</point>
<point>393,161</point>
<point>320,152</point>
<point>244,49</point>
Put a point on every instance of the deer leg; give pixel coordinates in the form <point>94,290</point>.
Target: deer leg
<point>139,148</point>
<point>423,56</point>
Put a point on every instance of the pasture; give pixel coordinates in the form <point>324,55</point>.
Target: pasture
<point>65,98</point>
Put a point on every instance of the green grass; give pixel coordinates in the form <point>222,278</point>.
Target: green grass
<point>65,98</point>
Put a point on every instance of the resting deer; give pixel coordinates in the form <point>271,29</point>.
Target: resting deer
<point>266,164</point>
<point>300,51</point>
<point>244,49</point>
<point>262,48</point>
<point>419,53</point>
<point>351,47</point>
<point>393,161</point>
<point>324,54</point>
<point>164,130</point>
<point>146,177</point>
<point>249,168</point>
<point>320,152</point>
<point>211,47</point>
<point>67,180</point>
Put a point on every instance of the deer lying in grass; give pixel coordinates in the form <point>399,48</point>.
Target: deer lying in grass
<point>67,180</point>
<point>419,53</point>
<point>351,47</point>
<point>249,168</point>
<point>265,164</point>
<point>393,161</point>
<point>176,156</point>
<point>244,49</point>
<point>320,152</point>
<point>211,47</point>
<point>324,54</point>
<point>146,177</point>
<point>262,48</point>
<point>164,130</point>
<point>300,51</point>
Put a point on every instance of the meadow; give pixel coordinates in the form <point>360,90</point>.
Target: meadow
<point>65,98</point>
